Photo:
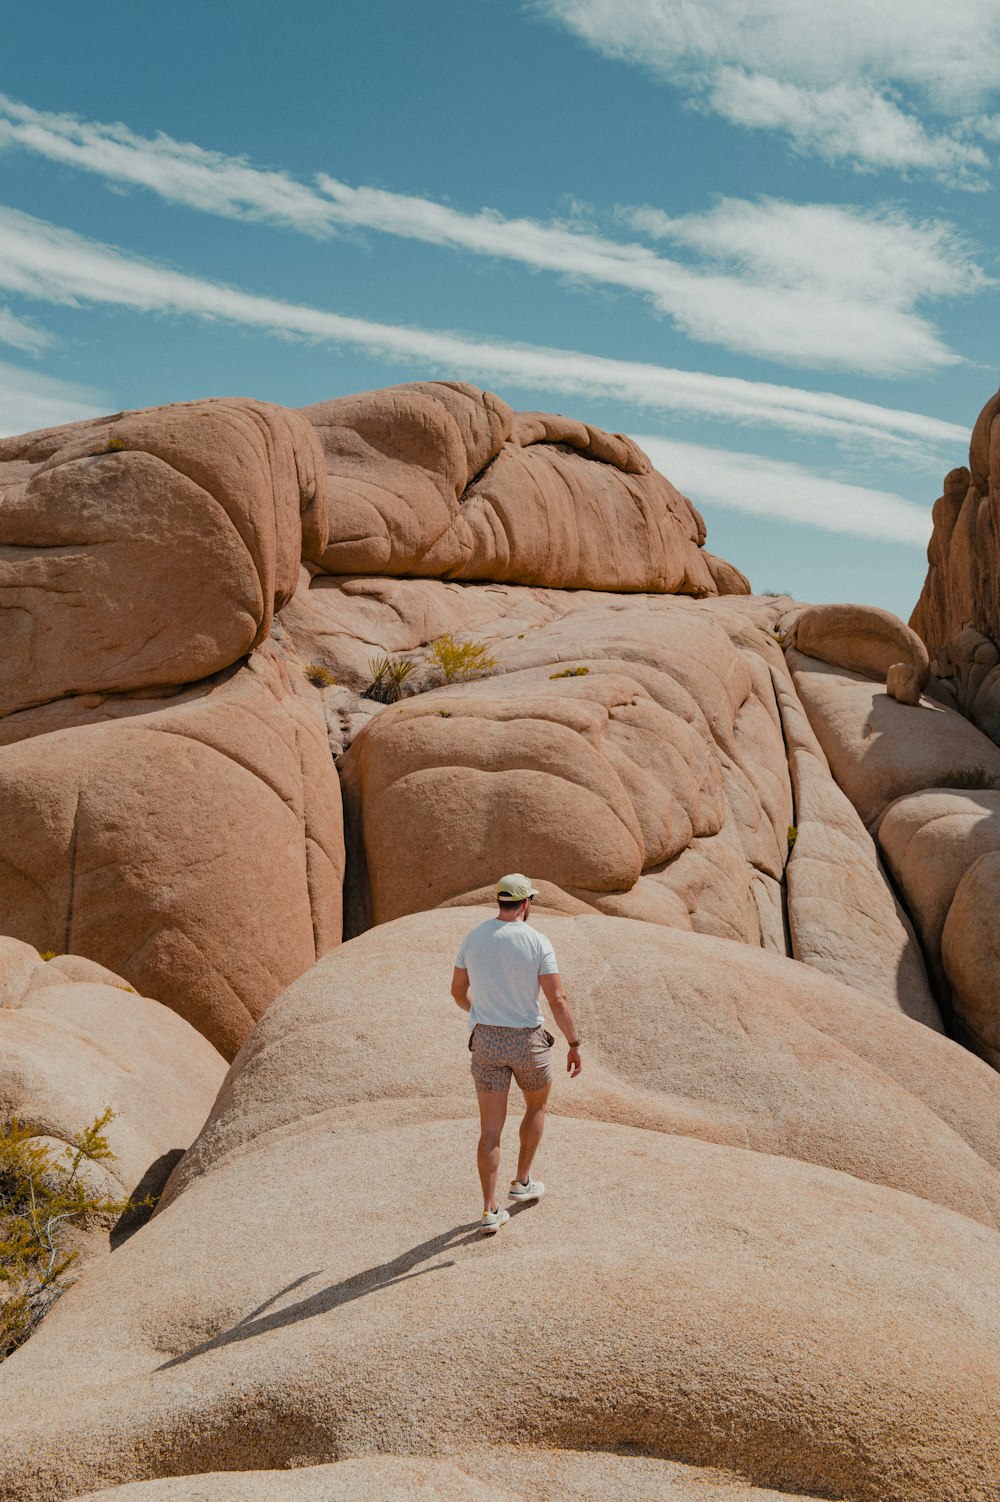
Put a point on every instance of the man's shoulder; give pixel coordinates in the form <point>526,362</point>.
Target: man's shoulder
<point>480,931</point>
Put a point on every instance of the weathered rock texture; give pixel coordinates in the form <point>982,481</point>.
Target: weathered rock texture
<point>499,1473</point>
<point>443,480</point>
<point>193,843</point>
<point>655,781</point>
<point>813,1328</point>
<point>75,1040</point>
<point>152,547</point>
<point>866,640</point>
<point>962,587</point>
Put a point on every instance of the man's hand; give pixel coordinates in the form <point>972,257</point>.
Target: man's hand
<point>573,1063</point>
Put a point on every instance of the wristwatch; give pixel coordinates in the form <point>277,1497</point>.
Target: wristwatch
<point>576,1044</point>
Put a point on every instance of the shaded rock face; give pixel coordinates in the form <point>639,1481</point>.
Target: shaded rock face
<point>445,481</point>
<point>75,1039</point>
<point>962,587</point>
<point>798,1263</point>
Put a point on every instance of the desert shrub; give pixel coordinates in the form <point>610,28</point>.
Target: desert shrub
<point>43,1195</point>
<point>793,835</point>
<point>570,673</point>
<point>972,780</point>
<point>48,954</point>
<point>461,660</point>
<point>389,675</point>
<point>321,676</point>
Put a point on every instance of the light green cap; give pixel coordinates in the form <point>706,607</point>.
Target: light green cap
<point>515,888</point>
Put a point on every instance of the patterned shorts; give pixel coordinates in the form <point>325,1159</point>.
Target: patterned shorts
<point>499,1052</point>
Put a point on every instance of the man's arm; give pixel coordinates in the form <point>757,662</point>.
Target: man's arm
<point>460,988</point>
<point>562,1011</point>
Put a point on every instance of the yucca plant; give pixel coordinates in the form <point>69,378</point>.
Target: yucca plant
<point>389,674</point>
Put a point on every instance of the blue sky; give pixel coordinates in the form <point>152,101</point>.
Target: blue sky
<point>758,235</point>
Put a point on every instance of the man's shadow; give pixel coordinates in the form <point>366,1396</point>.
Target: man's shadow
<point>371,1280</point>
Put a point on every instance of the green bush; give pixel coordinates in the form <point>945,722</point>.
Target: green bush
<point>461,660</point>
<point>793,835</point>
<point>571,673</point>
<point>389,674</point>
<point>974,780</point>
<point>321,676</point>
<point>42,1197</point>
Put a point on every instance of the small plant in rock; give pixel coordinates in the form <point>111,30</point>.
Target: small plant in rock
<point>461,660</point>
<point>43,1196</point>
<point>389,676</point>
<point>972,780</point>
<point>571,673</point>
<point>321,676</point>
<point>48,954</point>
<point>793,835</point>
<point>114,445</point>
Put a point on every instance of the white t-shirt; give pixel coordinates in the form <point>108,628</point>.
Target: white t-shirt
<point>504,961</point>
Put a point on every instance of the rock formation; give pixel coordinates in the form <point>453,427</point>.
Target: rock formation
<point>772,1167</point>
<point>443,480</point>
<point>75,1040</point>
<point>765,835</point>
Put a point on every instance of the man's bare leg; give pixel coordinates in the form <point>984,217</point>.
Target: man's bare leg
<point>492,1115</point>
<point>532,1126</point>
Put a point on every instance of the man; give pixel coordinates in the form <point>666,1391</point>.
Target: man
<point>497,974</point>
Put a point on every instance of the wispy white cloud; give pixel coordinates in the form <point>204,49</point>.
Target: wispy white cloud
<point>818,313</point>
<point>52,264</point>
<point>852,80</point>
<point>29,400</point>
<point>787,492</point>
<point>18,333</point>
<point>853,123</point>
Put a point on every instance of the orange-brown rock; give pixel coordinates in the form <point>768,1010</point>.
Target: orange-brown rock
<point>443,480</point>
<point>865,639</point>
<point>716,697</point>
<point>654,775</point>
<point>792,1324</point>
<point>970,951</point>
<point>962,587</point>
<point>76,1040</point>
<point>192,843</point>
<point>879,749</point>
<point>151,547</point>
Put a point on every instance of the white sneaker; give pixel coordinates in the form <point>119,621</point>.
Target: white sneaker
<point>532,1190</point>
<point>492,1221</point>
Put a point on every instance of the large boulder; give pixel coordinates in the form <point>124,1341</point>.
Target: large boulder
<point>879,749</point>
<point>77,1039</point>
<point>191,843</point>
<point>151,547</point>
<point>651,752</point>
<point>843,917</point>
<point>443,480</point>
<point>628,757</point>
<point>865,639</point>
<point>733,1309</point>
<point>970,950</point>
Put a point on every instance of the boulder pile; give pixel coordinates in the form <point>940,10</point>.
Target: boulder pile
<point>286,691</point>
